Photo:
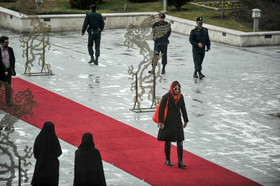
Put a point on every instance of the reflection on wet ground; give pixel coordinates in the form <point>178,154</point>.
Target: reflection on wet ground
<point>14,160</point>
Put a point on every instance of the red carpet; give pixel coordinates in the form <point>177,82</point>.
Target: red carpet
<point>127,148</point>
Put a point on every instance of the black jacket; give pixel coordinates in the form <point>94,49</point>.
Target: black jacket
<point>3,69</point>
<point>93,21</point>
<point>199,36</point>
<point>164,39</point>
<point>173,126</point>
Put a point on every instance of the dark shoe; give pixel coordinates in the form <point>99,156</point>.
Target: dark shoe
<point>163,69</point>
<point>168,163</point>
<point>91,61</point>
<point>181,164</point>
<point>9,104</point>
<point>96,61</point>
<point>195,74</point>
<point>200,75</point>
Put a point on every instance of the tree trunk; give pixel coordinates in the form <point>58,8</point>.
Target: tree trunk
<point>223,10</point>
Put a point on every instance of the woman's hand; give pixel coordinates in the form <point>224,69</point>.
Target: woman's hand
<point>185,124</point>
<point>161,125</point>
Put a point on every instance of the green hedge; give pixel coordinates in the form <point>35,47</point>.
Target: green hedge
<point>142,1</point>
<point>83,4</point>
<point>8,1</point>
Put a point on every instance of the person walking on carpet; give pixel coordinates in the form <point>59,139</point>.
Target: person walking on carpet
<point>171,129</point>
<point>46,152</point>
<point>88,169</point>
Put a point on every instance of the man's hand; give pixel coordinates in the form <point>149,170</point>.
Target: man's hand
<point>161,125</point>
<point>6,73</point>
<point>185,124</point>
<point>207,50</point>
<point>200,45</point>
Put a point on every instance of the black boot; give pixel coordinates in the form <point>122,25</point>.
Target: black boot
<point>200,74</point>
<point>168,163</point>
<point>167,148</point>
<point>180,154</point>
<point>181,164</point>
<point>96,61</point>
<point>195,74</point>
<point>91,59</point>
<point>163,69</point>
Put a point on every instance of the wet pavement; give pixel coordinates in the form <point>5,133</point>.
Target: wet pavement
<point>232,112</point>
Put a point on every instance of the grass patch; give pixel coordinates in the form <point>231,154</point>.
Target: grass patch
<point>189,11</point>
<point>210,16</point>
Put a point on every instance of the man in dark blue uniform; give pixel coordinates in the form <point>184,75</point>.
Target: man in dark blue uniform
<point>161,39</point>
<point>199,38</point>
<point>94,24</point>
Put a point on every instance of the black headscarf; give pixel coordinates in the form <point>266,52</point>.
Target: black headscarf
<point>47,142</point>
<point>88,164</point>
<point>87,141</point>
<point>46,151</point>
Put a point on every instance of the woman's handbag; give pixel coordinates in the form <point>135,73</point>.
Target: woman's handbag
<point>155,117</point>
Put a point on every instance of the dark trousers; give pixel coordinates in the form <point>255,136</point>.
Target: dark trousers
<point>96,38</point>
<point>163,50</point>
<point>198,59</point>
<point>167,148</point>
<point>7,83</point>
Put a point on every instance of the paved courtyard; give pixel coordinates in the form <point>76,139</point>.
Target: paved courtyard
<point>232,112</point>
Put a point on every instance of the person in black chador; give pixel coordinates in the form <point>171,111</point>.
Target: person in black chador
<point>88,164</point>
<point>199,38</point>
<point>161,43</point>
<point>46,152</point>
<point>7,67</point>
<point>94,24</point>
<point>171,129</point>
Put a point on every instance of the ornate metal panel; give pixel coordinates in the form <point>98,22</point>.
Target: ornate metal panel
<point>142,81</point>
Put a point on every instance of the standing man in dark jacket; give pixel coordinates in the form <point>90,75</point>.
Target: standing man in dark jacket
<point>94,24</point>
<point>7,66</point>
<point>161,39</point>
<point>199,38</point>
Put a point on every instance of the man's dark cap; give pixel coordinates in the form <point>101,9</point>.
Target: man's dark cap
<point>93,6</point>
<point>161,15</point>
<point>199,19</point>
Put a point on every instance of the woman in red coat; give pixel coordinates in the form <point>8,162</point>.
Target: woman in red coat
<point>171,129</point>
